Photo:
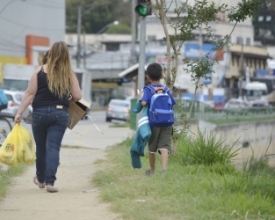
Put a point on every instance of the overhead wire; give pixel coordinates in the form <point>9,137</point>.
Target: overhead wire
<point>32,3</point>
<point>26,26</point>
<point>39,3</point>
<point>45,5</point>
<point>53,2</point>
<point>93,59</point>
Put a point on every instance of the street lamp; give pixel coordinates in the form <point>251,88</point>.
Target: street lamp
<point>80,14</point>
<point>106,27</point>
<point>101,31</point>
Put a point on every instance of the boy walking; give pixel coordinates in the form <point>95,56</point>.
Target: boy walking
<point>160,140</point>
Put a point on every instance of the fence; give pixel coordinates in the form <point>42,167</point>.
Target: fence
<point>225,116</point>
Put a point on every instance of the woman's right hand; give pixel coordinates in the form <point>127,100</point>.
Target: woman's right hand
<point>17,118</point>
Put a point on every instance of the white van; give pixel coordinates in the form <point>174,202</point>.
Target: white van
<point>17,76</point>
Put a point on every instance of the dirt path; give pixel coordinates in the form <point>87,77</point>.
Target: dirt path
<point>77,197</point>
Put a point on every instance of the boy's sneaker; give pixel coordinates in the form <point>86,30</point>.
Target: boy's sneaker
<point>149,172</point>
<point>163,171</point>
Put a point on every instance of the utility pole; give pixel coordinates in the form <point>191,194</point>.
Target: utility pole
<point>143,9</point>
<point>84,49</point>
<point>79,17</point>
<point>142,43</point>
<point>241,72</point>
<point>200,59</point>
<point>132,60</point>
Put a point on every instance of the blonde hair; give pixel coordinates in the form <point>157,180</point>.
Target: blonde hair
<point>59,70</point>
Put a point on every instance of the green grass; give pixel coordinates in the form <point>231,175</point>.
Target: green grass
<point>120,125</point>
<point>189,190</point>
<point>6,176</point>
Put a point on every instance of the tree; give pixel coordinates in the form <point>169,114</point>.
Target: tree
<point>188,19</point>
<point>102,13</point>
<point>118,29</point>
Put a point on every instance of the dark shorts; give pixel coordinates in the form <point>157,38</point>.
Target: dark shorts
<point>161,139</point>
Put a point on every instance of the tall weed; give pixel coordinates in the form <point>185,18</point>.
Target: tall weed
<point>256,178</point>
<point>258,165</point>
<point>206,149</point>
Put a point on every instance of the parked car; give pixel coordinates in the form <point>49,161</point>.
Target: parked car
<point>185,103</point>
<point>118,109</point>
<point>258,104</point>
<point>237,104</point>
<point>15,98</point>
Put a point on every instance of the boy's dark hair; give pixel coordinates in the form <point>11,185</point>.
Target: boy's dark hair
<point>154,71</point>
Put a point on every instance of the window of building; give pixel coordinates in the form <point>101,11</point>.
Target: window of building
<point>260,64</point>
<point>248,41</point>
<point>260,18</point>
<point>238,61</point>
<point>112,46</point>
<point>249,63</point>
<point>239,40</point>
<point>172,6</point>
<point>268,18</point>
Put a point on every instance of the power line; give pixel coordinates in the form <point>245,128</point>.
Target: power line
<point>9,41</point>
<point>52,4</point>
<point>11,49</point>
<point>23,25</point>
<point>8,48</point>
<point>31,3</point>
<point>6,5</point>
<point>44,5</point>
<point>99,60</point>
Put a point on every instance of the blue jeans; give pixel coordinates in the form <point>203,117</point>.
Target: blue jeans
<point>48,126</point>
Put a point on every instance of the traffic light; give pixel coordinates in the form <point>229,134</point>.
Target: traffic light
<point>264,27</point>
<point>143,8</point>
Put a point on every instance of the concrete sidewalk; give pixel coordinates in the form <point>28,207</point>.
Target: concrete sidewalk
<point>77,198</point>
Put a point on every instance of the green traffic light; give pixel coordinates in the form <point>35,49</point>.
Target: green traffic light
<point>142,10</point>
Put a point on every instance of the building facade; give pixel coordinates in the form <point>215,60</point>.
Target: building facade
<point>108,55</point>
<point>243,32</point>
<point>28,28</point>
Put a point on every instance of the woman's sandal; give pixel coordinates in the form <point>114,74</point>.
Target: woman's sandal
<point>36,182</point>
<point>51,189</point>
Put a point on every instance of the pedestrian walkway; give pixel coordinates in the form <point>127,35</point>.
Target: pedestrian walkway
<point>89,136</point>
<point>77,197</point>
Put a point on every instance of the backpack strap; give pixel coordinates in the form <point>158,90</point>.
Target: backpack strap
<point>152,89</point>
<point>166,89</point>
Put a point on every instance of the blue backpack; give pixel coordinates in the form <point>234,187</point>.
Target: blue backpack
<point>160,112</point>
<point>3,100</point>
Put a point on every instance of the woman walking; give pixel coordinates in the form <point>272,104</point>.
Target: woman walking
<point>49,90</point>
